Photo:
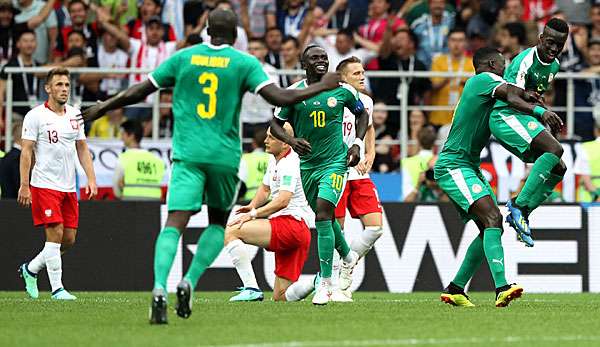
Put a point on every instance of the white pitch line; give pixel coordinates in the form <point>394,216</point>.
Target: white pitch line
<point>417,341</point>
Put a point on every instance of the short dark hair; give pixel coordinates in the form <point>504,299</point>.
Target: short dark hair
<point>259,138</point>
<point>516,29</point>
<point>271,29</point>
<point>58,71</point>
<point>132,127</point>
<point>77,32</point>
<point>344,63</point>
<point>309,47</point>
<point>259,40</point>
<point>484,54</point>
<point>347,32</point>
<point>427,137</point>
<point>559,25</point>
<point>26,31</point>
<point>293,39</point>
<point>457,29</point>
<point>73,2</point>
<point>411,35</point>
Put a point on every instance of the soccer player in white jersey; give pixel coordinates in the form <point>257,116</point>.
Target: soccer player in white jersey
<point>360,194</point>
<point>52,133</point>
<point>279,226</point>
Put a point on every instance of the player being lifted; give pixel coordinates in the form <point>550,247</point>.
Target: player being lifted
<point>279,226</point>
<point>324,159</point>
<point>51,132</point>
<point>457,173</point>
<point>209,81</point>
<point>360,194</point>
<point>523,134</point>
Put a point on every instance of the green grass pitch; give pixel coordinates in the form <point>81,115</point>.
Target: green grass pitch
<point>374,319</point>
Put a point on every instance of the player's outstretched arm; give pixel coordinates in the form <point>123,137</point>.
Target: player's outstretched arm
<point>518,99</point>
<point>24,197</point>
<point>130,96</point>
<point>287,97</point>
<point>300,146</point>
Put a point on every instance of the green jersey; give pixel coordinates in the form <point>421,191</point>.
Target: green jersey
<point>528,72</point>
<point>470,130</point>
<point>319,121</point>
<point>209,82</point>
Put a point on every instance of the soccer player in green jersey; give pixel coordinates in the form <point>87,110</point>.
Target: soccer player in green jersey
<point>524,134</point>
<point>457,173</point>
<point>209,81</point>
<point>317,122</point>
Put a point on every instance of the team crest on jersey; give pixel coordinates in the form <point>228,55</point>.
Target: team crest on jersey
<point>532,125</point>
<point>74,124</point>
<point>48,213</point>
<point>331,102</point>
<point>476,188</point>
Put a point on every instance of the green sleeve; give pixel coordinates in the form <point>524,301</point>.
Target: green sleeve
<point>256,77</point>
<point>284,113</point>
<point>351,99</point>
<point>165,74</point>
<point>487,83</point>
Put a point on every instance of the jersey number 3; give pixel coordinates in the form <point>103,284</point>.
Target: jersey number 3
<point>210,81</point>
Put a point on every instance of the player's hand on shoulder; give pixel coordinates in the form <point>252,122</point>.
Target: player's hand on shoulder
<point>301,146</point>
<point>353,156</point>
<point>24,197</point>
<point>553,121</point>
<point>331,80</point>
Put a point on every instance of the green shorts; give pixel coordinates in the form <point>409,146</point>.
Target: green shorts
<point>192,183</point>
<point>326,183</point>
<point>464,186</point>
<point>515,131</point>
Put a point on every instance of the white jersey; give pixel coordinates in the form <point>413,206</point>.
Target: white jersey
<point>349,129</point>
<point>285,175</point>
<point>55,151</point>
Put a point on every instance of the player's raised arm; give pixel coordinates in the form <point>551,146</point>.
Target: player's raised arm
<point>286,97</point>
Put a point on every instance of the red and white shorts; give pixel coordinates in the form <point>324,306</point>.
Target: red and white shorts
<point>360,196</point>
<point>290,240</point>
<point>50,206</point>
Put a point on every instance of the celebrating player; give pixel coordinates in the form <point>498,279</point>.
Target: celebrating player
<point>51,132</point>
<point>524,135</point>
<point>360,195</point>
<point>285,232</point>
<point>209,81</point>
<point>317,123</point>
<point>457,173</point>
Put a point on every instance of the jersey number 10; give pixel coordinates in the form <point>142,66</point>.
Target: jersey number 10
<point>318,118</point>
<point>210,81</point>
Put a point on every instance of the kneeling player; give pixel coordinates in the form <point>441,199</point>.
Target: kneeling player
<point>284,232</point>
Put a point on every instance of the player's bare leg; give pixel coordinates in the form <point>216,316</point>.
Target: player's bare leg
<point>68,239</point>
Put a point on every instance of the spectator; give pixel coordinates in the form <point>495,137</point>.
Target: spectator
<point>538,11</point>
<point>139,173</point>
<point>172,12</point>
<point>256,15</point>
<point>10,31</point>
<point>253,165</point>
<point>111,56</point>
<point>595,19</point>
<point>291,17</point>
<point>397,53</point>
<point>84,87</point>
<point>414,182</point>
<point>343,47</point>
<point>241,42</point>
<point>432,30</point>
<point>344,14</point>
<point>109,125</point>
<point>193,39</point>
<point>149,9</point>
<point>9,166</point>
<point>26,86</point>
<point>165,122</point>
<point>379,20</point>
<point>513,11</point>
<point>417,119</point>
<point>575,11</point>
<point>274,40</point>
<point>511,39</point>
<point>587,167</point>
<point>447,91</point>
<point>290,60</point>
<point>384,160</point>
<point>46,33</point>
<point>121,11</point>
<point>78,12</point>
<point>62,14</point>
<point>587,93</point>
<point>256,113</point>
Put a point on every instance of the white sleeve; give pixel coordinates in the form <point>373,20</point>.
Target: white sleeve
<point>582,165</point>
<point>368,103</point>
<point>242,40</point>
<point>30,127</point>
<point>289,170</point>
<point>134,47</point>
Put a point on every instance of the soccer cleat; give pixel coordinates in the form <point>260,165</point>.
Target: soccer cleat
<point>30,281</point>
<point>248,294</point>
<point>503,298</point>
<point>158,309</point>
<point>338,295</point>
<point>322,294</point>
<point>461,300</point>
<point>518,221</point>
<point>345,280</point>
<point>62,294</point>
<point>184,299</point>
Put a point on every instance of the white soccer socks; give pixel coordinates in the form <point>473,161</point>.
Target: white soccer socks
<point>240,259</point>
<point>366,240</point>
<point>53,264</point>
